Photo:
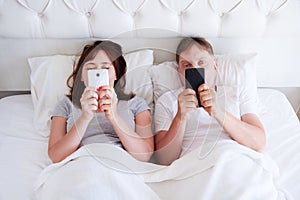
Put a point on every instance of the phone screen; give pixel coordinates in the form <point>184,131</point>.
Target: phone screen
<point>194,77</point>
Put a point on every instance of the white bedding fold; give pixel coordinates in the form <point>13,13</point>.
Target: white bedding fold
<point>228,171</point>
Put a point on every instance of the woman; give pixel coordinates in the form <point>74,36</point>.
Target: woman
<point>105,114</point>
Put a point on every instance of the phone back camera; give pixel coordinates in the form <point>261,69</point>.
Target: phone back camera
<point>97,74</point>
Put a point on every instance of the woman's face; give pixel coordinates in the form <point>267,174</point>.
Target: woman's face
<point>101,61</point>
<point>194,57</point>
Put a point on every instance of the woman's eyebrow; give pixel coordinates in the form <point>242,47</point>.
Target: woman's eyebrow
<point>90,62</point>
<point>106,62</point>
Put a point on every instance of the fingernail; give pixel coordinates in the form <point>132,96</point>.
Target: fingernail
<point>99,88</point>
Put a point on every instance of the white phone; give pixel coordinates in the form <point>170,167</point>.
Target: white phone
<point>97,77</point>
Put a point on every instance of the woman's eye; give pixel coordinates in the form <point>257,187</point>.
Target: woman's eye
<point>105,66</point>
<point>90,66</point>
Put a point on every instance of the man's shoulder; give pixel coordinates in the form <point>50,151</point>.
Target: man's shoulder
<point>171,95</point>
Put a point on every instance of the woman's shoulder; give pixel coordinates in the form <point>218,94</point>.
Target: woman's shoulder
<point>137,100</point>
<point>63,107</point>
<point>138,104</point>
<point>65,102</point>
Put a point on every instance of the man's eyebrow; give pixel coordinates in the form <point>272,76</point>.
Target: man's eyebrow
<point>184,61</point>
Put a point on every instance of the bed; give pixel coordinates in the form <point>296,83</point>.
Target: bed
<point>38,49</point>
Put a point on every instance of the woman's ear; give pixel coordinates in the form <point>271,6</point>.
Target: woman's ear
<point>115,75</point>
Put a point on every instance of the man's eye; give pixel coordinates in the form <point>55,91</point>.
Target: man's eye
<point>201,62</point>
<point>204,62</point>
<point>187,65</point>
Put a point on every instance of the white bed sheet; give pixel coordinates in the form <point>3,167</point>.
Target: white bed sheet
<point>23,153</point>
<point>283,137</point>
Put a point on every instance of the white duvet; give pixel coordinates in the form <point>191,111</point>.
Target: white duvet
<point>24,156</point>
<point>102,171</point>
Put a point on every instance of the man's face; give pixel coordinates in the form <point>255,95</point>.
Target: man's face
<point>194,57</point>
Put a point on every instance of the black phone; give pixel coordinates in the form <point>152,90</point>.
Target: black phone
<point>194,77</point>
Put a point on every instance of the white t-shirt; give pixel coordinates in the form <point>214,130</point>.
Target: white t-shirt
<point>201,127</point>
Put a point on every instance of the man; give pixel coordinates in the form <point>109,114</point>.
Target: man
<point>181,126</point>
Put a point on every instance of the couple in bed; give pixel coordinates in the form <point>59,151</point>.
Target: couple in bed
<point>108,115</point>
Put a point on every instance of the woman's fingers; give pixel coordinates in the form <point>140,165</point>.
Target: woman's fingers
<point>105,102</point>
<point>105,93</point>
<point>89,100</point>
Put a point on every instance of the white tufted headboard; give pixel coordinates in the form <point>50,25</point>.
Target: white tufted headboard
<point>110,18</point>
<point>269,27</point>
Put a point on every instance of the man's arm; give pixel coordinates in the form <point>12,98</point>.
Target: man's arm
<point>247,131</point>
<point>169,143</point>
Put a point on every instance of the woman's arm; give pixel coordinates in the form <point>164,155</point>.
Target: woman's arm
<point>138,143</point>
<point>61,144</point>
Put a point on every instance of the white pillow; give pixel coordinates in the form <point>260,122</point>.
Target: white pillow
<point>238,69</point>
<point>165,77</point>
<point>49,75</point>
<point>137,77</point>
<point>48,84</point>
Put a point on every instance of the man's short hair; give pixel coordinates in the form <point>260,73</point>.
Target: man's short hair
<point>187,42</point>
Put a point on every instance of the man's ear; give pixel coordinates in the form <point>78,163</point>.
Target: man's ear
<point>215,64</point>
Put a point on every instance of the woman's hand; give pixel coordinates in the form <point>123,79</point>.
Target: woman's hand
<point>208,99</point>
<point>108,101</point>
<point>187,102</point>
<point>89,103</point>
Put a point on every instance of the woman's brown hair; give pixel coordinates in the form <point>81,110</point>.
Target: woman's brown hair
<point>187,42</point>
<point>114,52</point>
